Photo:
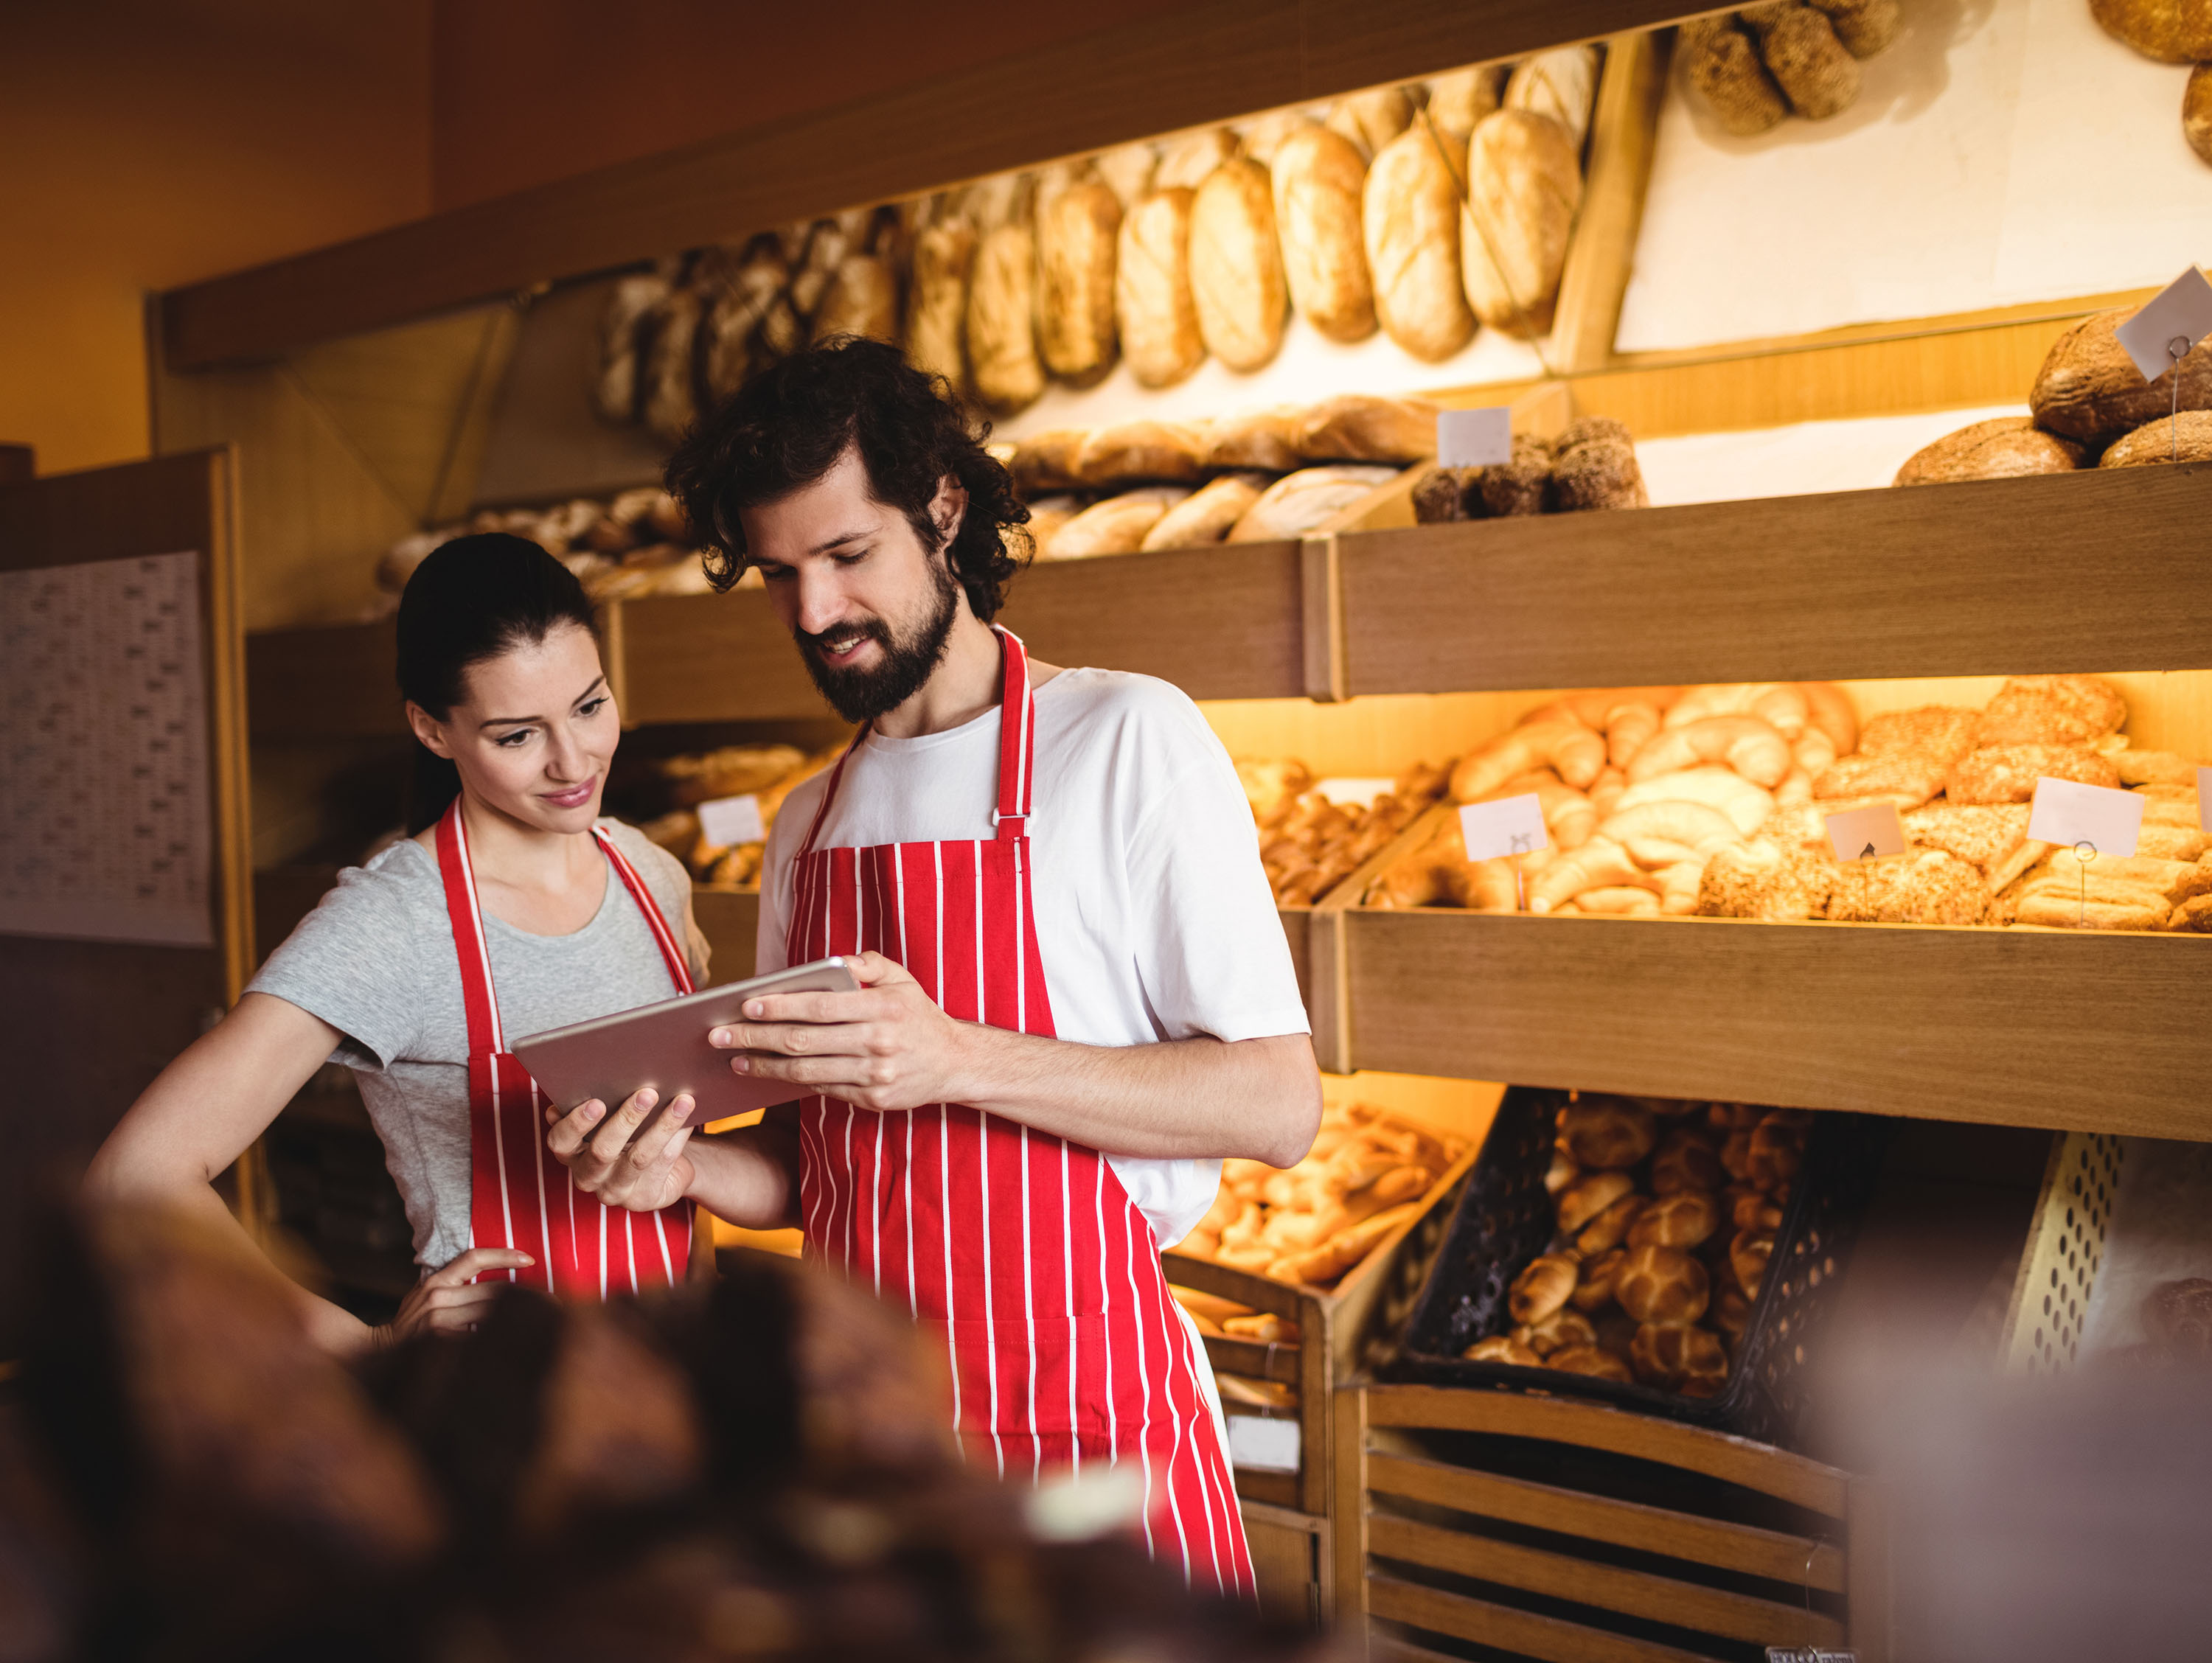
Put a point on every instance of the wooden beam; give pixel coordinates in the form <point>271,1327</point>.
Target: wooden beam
<point>1210,64</point>
<point>1624,130</point>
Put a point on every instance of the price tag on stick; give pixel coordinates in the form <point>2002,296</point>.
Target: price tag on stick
<point>1866,834</point>
<point>2205,799</point>
<point>2092,820</point>
<point>1475,439</point>
<point>728,821</point>
<point>1508,825</point>
<point>2180,313</point>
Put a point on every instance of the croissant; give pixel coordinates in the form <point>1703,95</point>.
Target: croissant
<point>1784,704</point>
<point>1598,864</point>
<point>1751,746</point>
<point>1746,804</point>
<point>1575,752</point>
<point>1692,828</point>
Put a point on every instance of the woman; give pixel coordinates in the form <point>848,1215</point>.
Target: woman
<point>512,908</point>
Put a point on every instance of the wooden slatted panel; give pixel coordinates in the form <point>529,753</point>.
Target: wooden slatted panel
<point>1938,579</point>
<point>1716,1454</point>
<point>712,658</point>
<point>328,681</point>
<point>1638,1593</point>
<point>2075,1031</point>
<point>1770,1553</point>
<point>1501,1626</point>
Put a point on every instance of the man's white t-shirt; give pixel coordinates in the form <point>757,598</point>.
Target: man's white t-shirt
<point>1153,916</point>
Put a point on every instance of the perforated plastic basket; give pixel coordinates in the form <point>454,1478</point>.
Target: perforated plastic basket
<point>1505,1218</point>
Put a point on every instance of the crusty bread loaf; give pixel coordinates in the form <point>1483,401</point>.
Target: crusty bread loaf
<point>1127,452</point>
<point>1298,502</point>
<point>1864,27</point>
<point>1318,174</point>
<point>1266,439</point>
<point>2089,389</point>
<point>937,304</point>
<point>1076,239</point>
<point>1561,84</point>
<point>1595,467</point>
<point>615,390</point>
<point>1127,170</point>
<point>1525,186</point>
<point>1116,526</point>
<point>1807,62</point>
<point>862,299</point>
<point>1460,98</point>
<point>1207,513</point>
<point>1002,354</point>
<point>2170,31</point>
<point>1046,515</point>
<point>2004,448</point>
<point>2197,111</point>
<point>669,399</point>
<point>1371,119</point>
<point>1046,461</point>
<point>1723,64</point>
<point>1187,162</point>
<point>1662,1284</point>
<point>1410,214</point>
<point>1152,299</point>
<point>2187,437</point>
<point>1236,265</point>
<point>1356,427</point>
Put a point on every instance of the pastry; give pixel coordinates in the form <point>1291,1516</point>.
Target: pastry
<point>1800,49</point>
<point>1595,1291</point>
<point>1680,1220</point>
<point>2007,774</point>
<point>1594,466</point>
<point>1561,84</point>
<point>1753,747</point>
<point>1723,64</point>
<point>1941,733</point>
<point>1589,1360</point>
<point>1908,777</point>
<point>1542,1288</point>
<point>1760,880</point>
<point>1606,1133</point>
<point>1237,266</point>
<point>2156,768</point>
<point>1266,439</point>
<point>1002,355</point>
<point>1585,1198</point>
<point>1410,214</point>
<point>1747,805</point>
<point>1575,752</point>
<point>2051,710</point>
<point>1563,1328</point>
<point>1318,175</point>
<point>1116,526</point>
<point>1354,428</point>
<point>2170,31</point>
<point>1128,452</point>
<point>1749,1254</point>
<point>1153,304</point>
<point>1369,120</point>
<point>1662,1284</point>
<point>1924,886</point>
<point>1992,836</point>
<point>2187,437</point>
<point>2004,448</point>
<point>2088,389</point>
<point>1525,187</point>
<point>1610,1228</point>
<point>2194,915</point>
<point>1675,1358</point>
<point>1206,514</point>
<point>1502,1348</point>
<point>1303,502</point>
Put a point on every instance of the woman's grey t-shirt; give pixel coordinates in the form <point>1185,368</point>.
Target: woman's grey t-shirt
<point>375,960</point>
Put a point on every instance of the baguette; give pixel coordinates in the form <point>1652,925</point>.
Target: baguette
<point>1266,439</point>
<point>1410,214</point>
<point>1526,187</point>
<point>1318,176</point>
<point>1237,266</point>
<point>1152,299</point>
<point>1354,428</point>
<point>1002,353</point>
<point>1208,514</point>
<point>1298,502</point>
<point>1076,239</point>
<point>1116,526</point>
<point>1129,451</point>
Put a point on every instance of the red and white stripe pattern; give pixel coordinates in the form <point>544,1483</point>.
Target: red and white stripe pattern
<point>1020,1248</point>
<point>518,1195</point>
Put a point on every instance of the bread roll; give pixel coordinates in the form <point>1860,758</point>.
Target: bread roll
<point>2197,111</point>
<point>1502,1348</point>
<point>1236,265</point>
<point>1459,99</point>
<point>1002,353</point>
<point>2089,389</point>
<point>1801,52</point>
<point>1301,501</point>
<point>1526,186</point>
<point>1266,440</point>
<point>1188,162</point>
<point>1777,1150</point>
<point>617,390</point>
<point>1675,1358</point>
<point>1205,516</point>
<point>1589,1360</point>
<point>1595,467</point>
<point>1611,1228</point>
<point>862,299</point>
<point>1749,1254</point>
<point>1076,232</point>
<point>1590,1195</point>
<point>1564,1327</point>
<point>1606,1133</point>
<point>1371,119</point>
<point>1595,1291</point>
<point>1864,27</point>
<point>2004,448</point>
<point>1128,452</point>
<point>1116,526</point>
<point>2184,437</point>
<point>1152,299</point>
<point>937,308</point>
<point>1410,215</point>
<point>1723,64</point>
<point>1686,1160</point>
<point>1542,1288</point>
<point>1318,174</point>
<point>2170,31</point>
<point>1354,428</point>
<point>1561,84</point>
<point>1662,1284</point>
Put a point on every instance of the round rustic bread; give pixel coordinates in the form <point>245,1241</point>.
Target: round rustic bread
<point>2184,437</point>
<point>1681,1220</point>
<point>2004,448</point>
<point>1675,1358</point>
<point>1606,1132</point>
<point>1662,1284</point>
<point>2197,111</point>
<point>1865,27</point>
<point>2170,31</point>
<point>2089,389</point>
<point>1723,66</point>
<point>1803,55</point>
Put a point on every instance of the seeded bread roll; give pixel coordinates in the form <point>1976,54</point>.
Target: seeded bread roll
<point>1318,174</point>
<point>1266,440</point>
<point>1002,354</point>
<point>1355,427</point>
<point>1299,502</point>
<point>1237,266</point>
<point>1459,100</point>
<point>2184,437</point>
<point>2005,448</point>
<point>1372,119</point>
<point>1519,485</point>
<point>1595,467</point>
<point>2197,111</point>
<point>2170,31</point>
<point>1206,515</point>
<point>2089,389</point>
<point>1410,214</point>
<point>2007,774</point>
<point>2051,710</point>
<point>1722,65</point>
<point>1129,451</point>
<point>1525,186</point>
<point>1807,61</point>
<point>1440,496</point>
<point>1116,526</point>
<point>936,308</point>
<point>1076,237</point>
<point>1865,27</point>
<point>1152,299</point>
<point>1561,84</point>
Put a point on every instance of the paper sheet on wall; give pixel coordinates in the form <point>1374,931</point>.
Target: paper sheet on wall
<point>104,814</point>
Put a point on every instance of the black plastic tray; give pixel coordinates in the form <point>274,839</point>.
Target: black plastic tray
<point>1505,1218</point>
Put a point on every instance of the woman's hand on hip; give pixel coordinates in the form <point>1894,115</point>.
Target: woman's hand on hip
<point>446,1301</point>
<point>633,1158</point>
<point>886,1047</point>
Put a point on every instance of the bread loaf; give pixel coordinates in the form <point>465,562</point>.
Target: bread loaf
<point>1355,427</point>
<point>1801,52</point>
<point>1300,502</point>
<point>862,299</point>
<point>1206,515</point>
<point>2004,448</point>
<point>2089,389</point>
<point>1046,461</point>
<point>2197,111</point>
<point>1459,100</point>
<point>1127,170</point>
<point>1152,299</point>
<point>1076,237</point>
<point>1116,526</point>
<point>1128,452</point>
<point>1318,174</point>
<point>1864,27</point>
<point>937,308</point>
<point>731,344</point>
<point>670,396</point>
<point>1046,515</point>
<point>617,390</point>
<point>2184,437</point>
<point>1525,186</point>
<point>1561,84</point>
<point>1236,265</point>
<point>1188,162</point>
<point>1662,1284</point>
<point>1002,353</point>
<point>1595,467</point>
<point>1410,214</point>
<point>2170,31</point>
<point>1266,439</point>
<point>1371,119</point>
<point>1722,65</point>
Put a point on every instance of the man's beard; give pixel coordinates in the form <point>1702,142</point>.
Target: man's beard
<point>861,695</point>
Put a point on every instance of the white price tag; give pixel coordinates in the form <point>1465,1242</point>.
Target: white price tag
<point>1260,1445</point>
<point>1353,792</point>
<point>1475,439</point>
<point>1511,825</point>
<point>732,820</point>
<point>2205,799</point>
<point>2072,814</point>
<point>1866,834</point>
<point>2182,311</point>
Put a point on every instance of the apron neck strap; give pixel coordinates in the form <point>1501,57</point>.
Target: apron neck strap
<point>679,971</point>
<point>481,1003</point>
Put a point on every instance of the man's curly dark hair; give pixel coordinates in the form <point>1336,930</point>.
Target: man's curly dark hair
<point>787,428</point>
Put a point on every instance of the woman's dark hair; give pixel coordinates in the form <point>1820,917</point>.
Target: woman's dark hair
<point>787,428</point>
<point>470,600</point>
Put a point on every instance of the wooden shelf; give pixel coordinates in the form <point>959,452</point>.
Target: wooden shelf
<point>322,682</point>
<point>2017,1027</point>
<point>2096,570</point>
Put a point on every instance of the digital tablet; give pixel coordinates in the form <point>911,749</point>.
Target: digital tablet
<point>665,1046</point>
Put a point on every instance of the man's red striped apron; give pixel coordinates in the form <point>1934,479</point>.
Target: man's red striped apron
<point>1021,1248</point>
<point>518,1195</point>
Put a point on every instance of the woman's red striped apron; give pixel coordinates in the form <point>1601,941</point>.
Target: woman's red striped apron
<point>518,1195</point>
<point>1021,1248</point>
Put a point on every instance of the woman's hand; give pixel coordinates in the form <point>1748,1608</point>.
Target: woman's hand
<point>446,1301</point>
<point>887,1048</point>
<point>615,1161</point>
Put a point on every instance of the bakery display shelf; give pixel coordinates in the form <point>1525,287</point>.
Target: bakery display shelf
<point>2020,1027</point>
<point>730,919</point>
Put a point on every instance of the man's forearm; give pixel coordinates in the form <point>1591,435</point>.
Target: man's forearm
<point>749,1177</point>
